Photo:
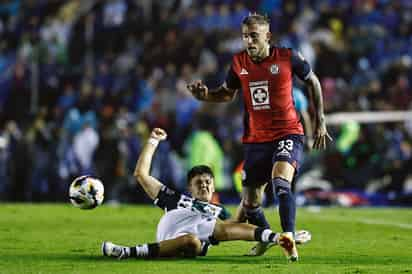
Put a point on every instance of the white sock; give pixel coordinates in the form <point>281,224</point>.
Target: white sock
<point>269,236</point>
<point>142,250</point>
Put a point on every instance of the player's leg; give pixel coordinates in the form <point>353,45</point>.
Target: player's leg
<point>227,231</point>
<point>240,215</point>
<point>182,246</point>
<point>256,172</point>
<point>253,213</point>
<point>255,175</point>
<point>250,208</point>
<point>286,160</point>
<point>282,175</point>
<point>251,205</point>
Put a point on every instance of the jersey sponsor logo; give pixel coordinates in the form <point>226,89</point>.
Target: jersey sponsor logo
<point>274,69</point>
<point>259,92</point>
<point>206,210</point>
<point>243,72</point>
<point>185,202</point>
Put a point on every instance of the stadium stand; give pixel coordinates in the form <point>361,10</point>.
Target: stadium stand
<point>82,82</point>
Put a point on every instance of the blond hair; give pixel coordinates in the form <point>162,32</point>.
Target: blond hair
<point>255,18</point>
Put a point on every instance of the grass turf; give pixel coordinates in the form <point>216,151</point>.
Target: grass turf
<point>55,238</point>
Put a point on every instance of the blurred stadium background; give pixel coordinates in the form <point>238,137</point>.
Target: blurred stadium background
<point>83,82</point>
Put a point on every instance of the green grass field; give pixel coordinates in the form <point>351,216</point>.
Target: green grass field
<point>63,239</point>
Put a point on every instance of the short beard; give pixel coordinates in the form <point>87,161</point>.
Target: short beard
<point>257,58</point>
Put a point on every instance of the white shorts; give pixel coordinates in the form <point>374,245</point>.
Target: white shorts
<point>179,222</point>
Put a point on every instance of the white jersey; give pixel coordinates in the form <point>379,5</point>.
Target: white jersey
<point>169,199</point>
<point>186,215</point>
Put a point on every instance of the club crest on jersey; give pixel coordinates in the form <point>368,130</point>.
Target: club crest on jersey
<point>274,69</point>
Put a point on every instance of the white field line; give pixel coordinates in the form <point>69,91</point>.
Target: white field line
<point>378,222</point>
<point>364,221</point>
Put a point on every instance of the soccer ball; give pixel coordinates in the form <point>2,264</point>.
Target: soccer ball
<point>86,192</point>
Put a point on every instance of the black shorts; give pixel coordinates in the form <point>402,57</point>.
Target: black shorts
<point>260,157</point>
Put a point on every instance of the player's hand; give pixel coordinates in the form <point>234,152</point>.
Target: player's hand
<point>158,134</point>
<point>198,89</point>
<point>321,134</point>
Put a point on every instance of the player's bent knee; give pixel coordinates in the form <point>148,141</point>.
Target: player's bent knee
<point>191,245</point>
<point>221,233</point>
<point>283,170</point>
<point>249,204</point>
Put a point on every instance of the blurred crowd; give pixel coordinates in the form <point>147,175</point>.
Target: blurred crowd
<point>83,82</point>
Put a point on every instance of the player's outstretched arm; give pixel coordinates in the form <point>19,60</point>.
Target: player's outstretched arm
<point>320,132</point>
<point>201,92</point>
<point>307,126</point>
<point>150,184</point>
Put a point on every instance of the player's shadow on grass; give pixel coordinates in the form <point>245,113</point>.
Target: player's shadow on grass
<point>239,259</point>
<point>231,259</point>
<point>324,260</point>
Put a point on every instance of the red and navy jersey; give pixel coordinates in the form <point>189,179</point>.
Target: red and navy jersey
<point>267,93</point>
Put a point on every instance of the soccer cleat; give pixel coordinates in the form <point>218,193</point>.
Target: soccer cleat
<point>112,250</point>
<point>301,237</point>
<point>288,245</point>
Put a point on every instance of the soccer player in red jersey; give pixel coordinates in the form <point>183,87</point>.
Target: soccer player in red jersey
<point>273,134</point>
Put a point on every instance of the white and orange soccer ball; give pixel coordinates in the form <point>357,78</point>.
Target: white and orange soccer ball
<point>86,192</point>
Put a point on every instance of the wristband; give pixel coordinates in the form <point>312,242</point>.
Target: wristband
<point>153,141</point>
